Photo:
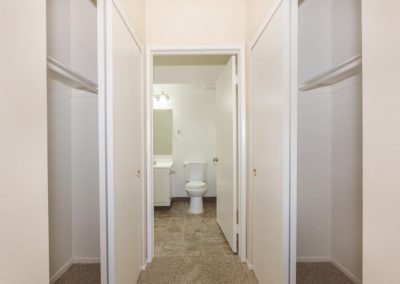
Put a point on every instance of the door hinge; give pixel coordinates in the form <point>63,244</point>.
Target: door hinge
<point>236,80</point>
<point>236,229</point>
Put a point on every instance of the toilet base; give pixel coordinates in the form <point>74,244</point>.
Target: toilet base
<point>196,205</point>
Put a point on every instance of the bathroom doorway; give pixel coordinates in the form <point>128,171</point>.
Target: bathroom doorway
<point>196,158</point>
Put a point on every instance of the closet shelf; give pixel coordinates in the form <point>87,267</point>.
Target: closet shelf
<point>336,74</point>
<point>69,77</point>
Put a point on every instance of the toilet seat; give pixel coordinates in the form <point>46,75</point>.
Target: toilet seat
<point>195,185</point>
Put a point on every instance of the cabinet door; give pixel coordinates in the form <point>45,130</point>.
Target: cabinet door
<point>162,187</point>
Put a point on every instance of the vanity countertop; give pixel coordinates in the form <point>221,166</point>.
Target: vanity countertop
<point>163,165</point>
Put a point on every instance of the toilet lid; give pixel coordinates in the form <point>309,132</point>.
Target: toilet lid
<point>195,184</point>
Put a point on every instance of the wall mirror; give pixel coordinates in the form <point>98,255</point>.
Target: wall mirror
<point>162,131</point>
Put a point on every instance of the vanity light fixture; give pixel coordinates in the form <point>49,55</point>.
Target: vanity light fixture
<point>162,98</point>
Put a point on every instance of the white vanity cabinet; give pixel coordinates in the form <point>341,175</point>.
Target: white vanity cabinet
<point>162,184</point>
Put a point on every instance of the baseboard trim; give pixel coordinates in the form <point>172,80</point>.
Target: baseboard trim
<point>83,260</point>
<point>143,267</point>
<point>339,266</point>
<point>314,259</point>
<point>249,265</point>
<point>61,271</point>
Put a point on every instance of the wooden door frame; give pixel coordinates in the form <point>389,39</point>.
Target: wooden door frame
<point>239,51</point>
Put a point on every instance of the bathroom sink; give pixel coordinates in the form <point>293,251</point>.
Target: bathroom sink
<point>163,165</point>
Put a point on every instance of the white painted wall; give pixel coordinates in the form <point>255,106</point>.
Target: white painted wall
<point>83,41</point>
<point>330,158</point>
<point>346,29</point>
<point>85,178</point>
<point>59,153</point>
<point>347,174</point>
<point>24,245</point>
<point>314,135</point>
<point>194,115</point>
<point>347,141</point>
<point>84,135</point>
<point>314,176</point>
<point>381,140</point>
<point>59,139</point>
<point>73,138</point>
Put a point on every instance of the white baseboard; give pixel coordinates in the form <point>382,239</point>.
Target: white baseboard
<point>61,271</point>
<point>249,265</point>
<point>143,267</point>
<point>88,260</point>
<point>313,259</point>
<point>339,266</point>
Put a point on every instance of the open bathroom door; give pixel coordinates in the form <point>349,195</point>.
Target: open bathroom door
<point>273,135</point>
<point>120,128</point>
<point>226,128</point>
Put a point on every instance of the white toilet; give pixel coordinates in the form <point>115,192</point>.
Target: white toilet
<point>196,187</point>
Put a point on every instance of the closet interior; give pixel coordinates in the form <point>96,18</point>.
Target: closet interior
<point>329,209</point>
<point>73,175</point>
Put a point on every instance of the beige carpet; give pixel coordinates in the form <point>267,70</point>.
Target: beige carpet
<point>320,273</point>
<point>81,274</point>
<point>180,233</point>
<point>197,269</point>
<point>192,249</point>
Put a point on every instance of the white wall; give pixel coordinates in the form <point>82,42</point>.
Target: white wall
<point>346,29</point>
<point>73,143</point>
<point>85,178</point>
<point>314,135</point>
<point>347,174</point>
<point>59,139</point>
<point>59,151</point>
<point>194,115</point>
<point>330,162</point>
<point>24,245</point>
<point>381,140</point>
<point>314,176</point>
<point>347,141</point>
<point>83,42</point>
<point>195,22</point>
<point>84,136</point>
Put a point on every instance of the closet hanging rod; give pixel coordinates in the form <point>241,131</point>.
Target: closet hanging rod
<point>69,77</point>
<point>347,69</point>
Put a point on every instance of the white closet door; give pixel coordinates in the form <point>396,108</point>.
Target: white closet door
<point>226,152</point>
<point>270,78</point>
<point>123,129</point>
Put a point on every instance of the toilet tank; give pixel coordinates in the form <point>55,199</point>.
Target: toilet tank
<point>195,170</point>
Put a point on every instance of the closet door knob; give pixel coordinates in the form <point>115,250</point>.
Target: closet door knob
<point>254,172</point>
<point>138,174</point>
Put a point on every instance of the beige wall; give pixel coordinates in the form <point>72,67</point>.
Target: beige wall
<point>23,143</point>
<point>256,11</point>
<point>381,134</point>
<point>196,22</point>
<point>135,10</point>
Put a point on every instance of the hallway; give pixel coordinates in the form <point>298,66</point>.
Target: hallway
<point>192,249</point>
